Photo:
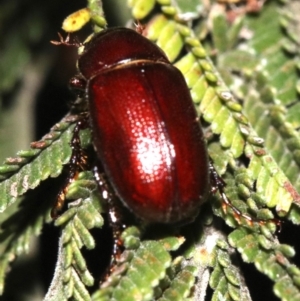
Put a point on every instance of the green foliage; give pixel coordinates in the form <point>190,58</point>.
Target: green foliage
<point>242,71</point>
<point>44,159</point>
<point>72,275</point>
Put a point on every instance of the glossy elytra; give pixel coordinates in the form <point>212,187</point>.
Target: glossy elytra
<point>144,125</point>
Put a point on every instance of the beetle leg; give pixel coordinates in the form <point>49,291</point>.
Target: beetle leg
<point>114,216</point>
<point>78,162</point>
<point>66,41</point>
<point>219,184</point>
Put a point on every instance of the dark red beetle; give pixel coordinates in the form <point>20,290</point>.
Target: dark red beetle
<point>145,128</point>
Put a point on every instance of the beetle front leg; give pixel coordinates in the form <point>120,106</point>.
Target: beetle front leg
<point>78,162</point>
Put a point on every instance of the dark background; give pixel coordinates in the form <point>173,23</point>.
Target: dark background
<point>31,275</point>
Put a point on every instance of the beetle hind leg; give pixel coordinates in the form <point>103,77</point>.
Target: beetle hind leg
<point>218,185</point>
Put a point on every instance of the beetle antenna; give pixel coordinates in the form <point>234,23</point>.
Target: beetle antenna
<point>139,27</point>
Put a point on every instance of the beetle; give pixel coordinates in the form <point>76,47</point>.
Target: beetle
<point>145,131</point>
<point>144,126</point>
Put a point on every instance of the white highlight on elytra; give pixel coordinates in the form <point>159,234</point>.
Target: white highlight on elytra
<point>152,155</point>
